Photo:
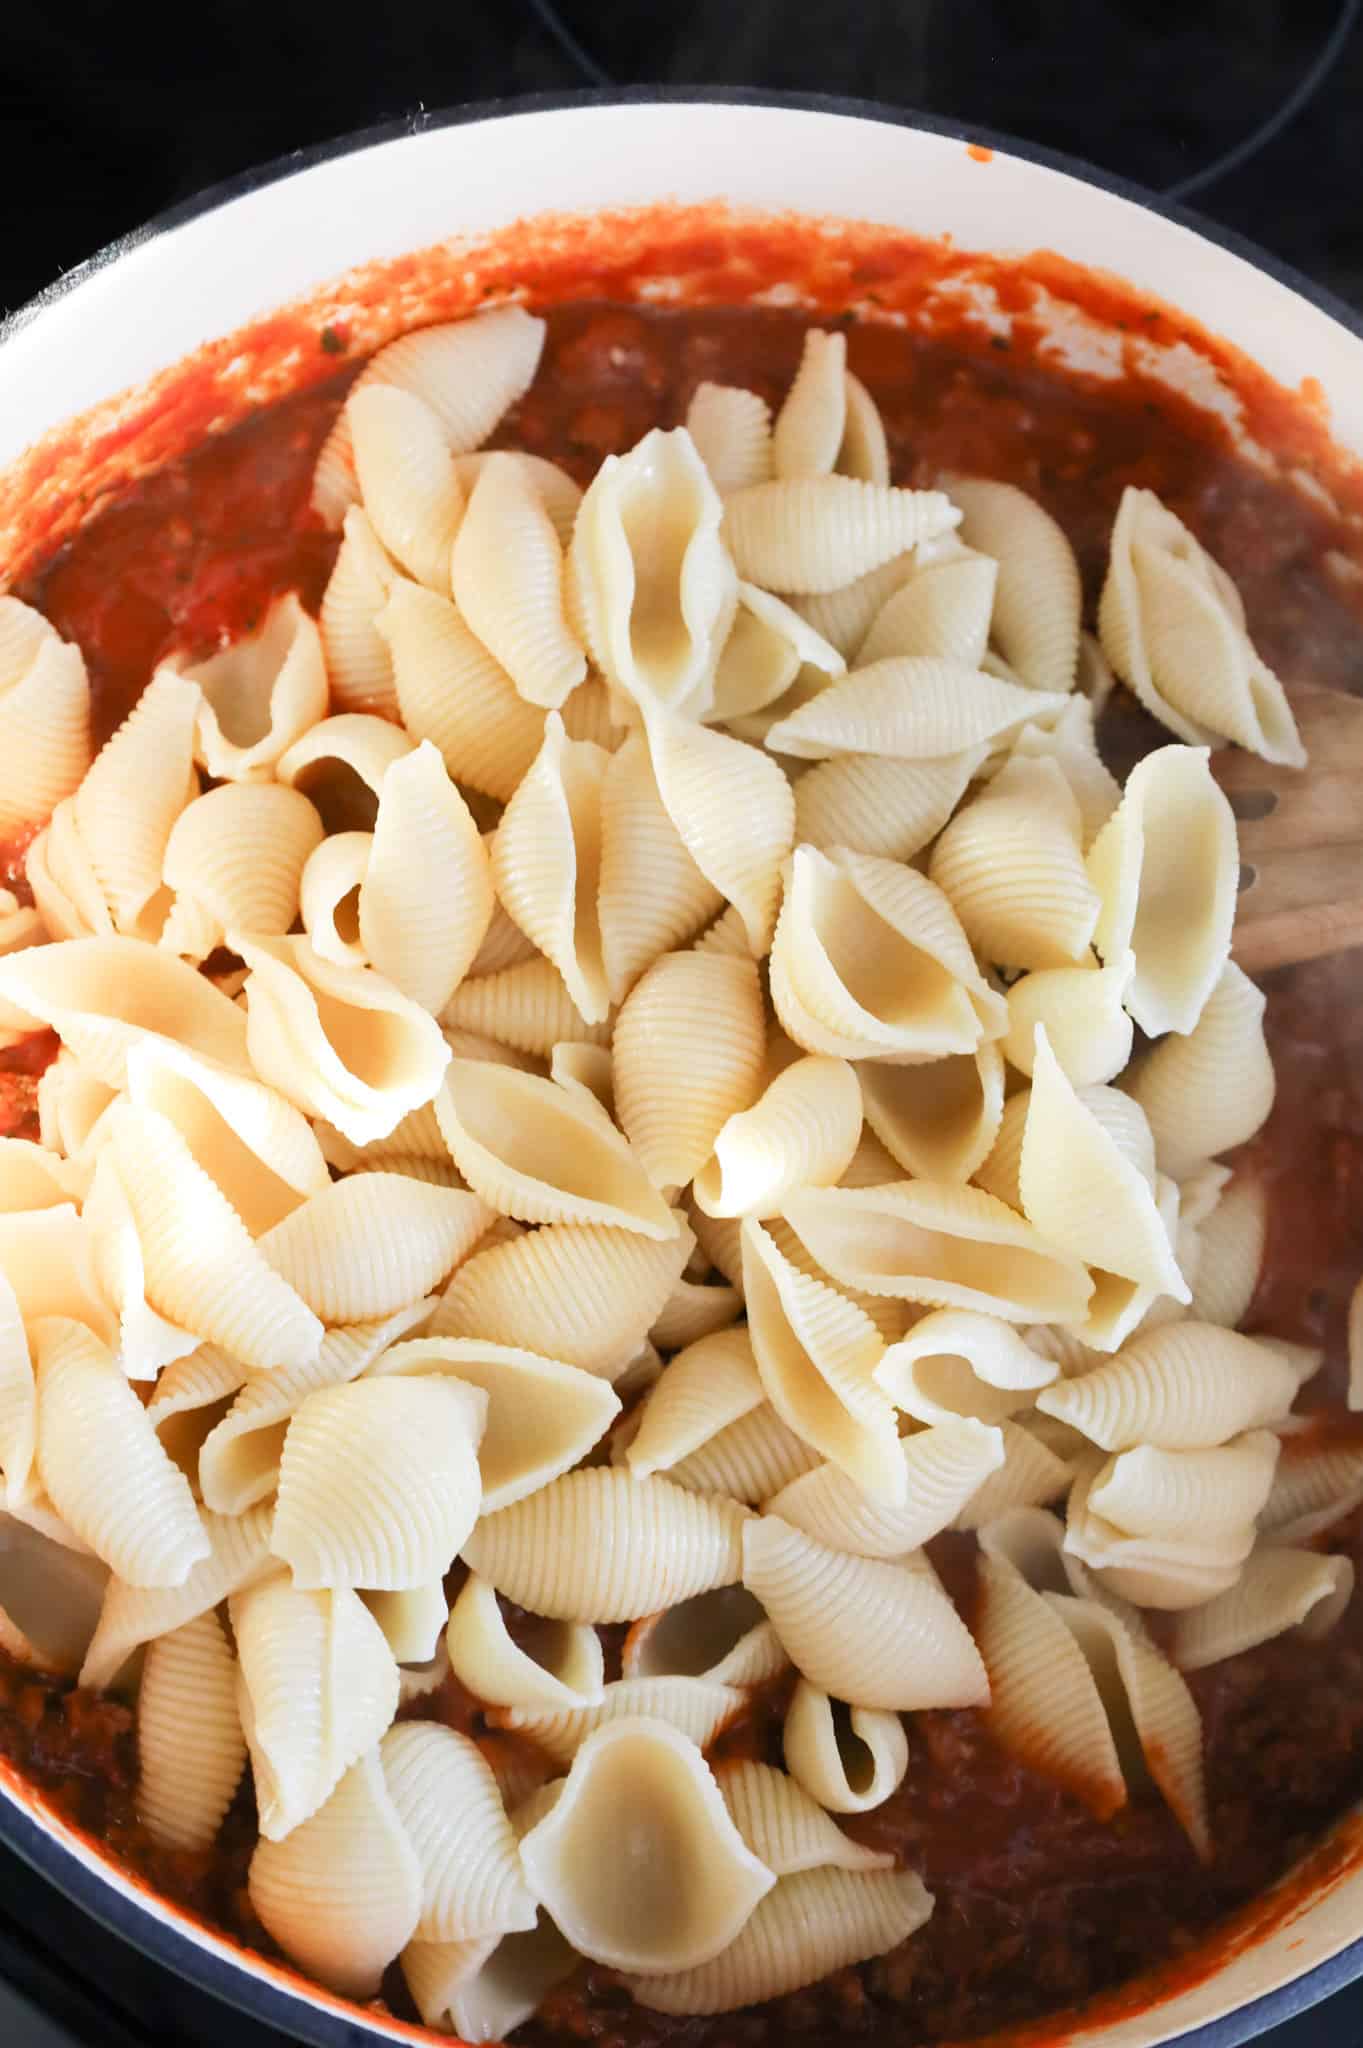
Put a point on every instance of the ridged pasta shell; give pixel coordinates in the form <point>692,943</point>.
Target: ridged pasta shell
<point>329,897</point>
<point>1160,1494</point>
<point>864,451</point>
<point>812,534</point>
<point>136,788</point>
<point>451,691</point>
<point>747,1460</point>
<point>412,1619</point>
<point>811,1924</point>
<point>1317,1481</point>
<point>731,430</point>
<point>802,1131</point>
<point>555,489</point>
<point>711,1384</point>
<point>527,1008</point>
<point>342,1894</point>
<point>871,1165</point>
<point>340,764</point>
<point>1186,1386</point>
<point>784,1827</point>
<point>1210,1090</point>
<point>146,1340</point>
<point>44,715</point>
<point>942,1244</point>
<point>545,1153</point>
<point>957,1363</point>
<point>559,1665</point>
<point>70,1103</point>
<point>415,1136</point>
<point>506,574</point>
<point>734,811</point>
<point>584,1293</point>
<point>652,896</point>
<point>945,1467</point>
<point>696,1018</point>
<point>189,1741</point>
<point>1010,863</point>
<point>1080,1008</point>
<point>483,1990</point>
<point>697,1707</point>
<point>816,1353</point>
<point>849,1759</point>
<point>32,1178</point>
<point>18,1398</point>
<point>378,1482</point>
<point>883,1634</point>
<point>1278,1592</point>
<point>1166,868</point>
<point>66,890</point>
<point>1036,610</point>
<point>909,707</point>
<point>1030,1475</point>
<point>693,1311</point>
<point>720,1635</point>
<point>235,858</point>
<point>1070,741</point>
<point>650,579</point>
<point>369,1245</point>
<point>938,1119</point>
<point>809,428</point>
<point>406,478</point>
<point>337,1042</point>
<point>1231,1252</point>
<point>1173,627</point>
<point>693,1882</point>
<point>46,1256</point>
<point>426,897</point>
<point>599,1545</point>
<point>542,1416</point>
<point>943,608</point>
<point>504,943</point>
<point>448,1803</point>
<point>546,862</point>
<point>358,659</point>
<point>870,962</point>
<point>238,1554</point>
<point>844,616</point>
<point>260,695</point>
<point>879,805</point>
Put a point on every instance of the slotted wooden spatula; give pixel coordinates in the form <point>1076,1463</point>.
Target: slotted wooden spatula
<point>1301,838</point>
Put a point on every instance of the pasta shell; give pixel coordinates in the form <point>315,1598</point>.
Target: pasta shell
<point>713,1635</point>
<point>884,1634</point>
<point>734,812</point>
<point>599,1545</point>
<point>260,695</point>
<point>506,574</point>
<point>944,1467</point>
<point>70,1103</point>
<point>66,890</point>
<point>189,1740</point>
<point>235,858</point>
<point>1317,1481</point>
<point>878,805</point>
<point>544,1153</point>
<point>1187,1386</point>
<point>546,863</point>
<point>451,1810</point>
<point>45,1255</point>
<point>816,1352</point>
<point>44,716</point>
<point>329,897</point>
<point>542,1417</point>
<point>238,1554</point>
<point>342,1894</point>
<point>1174,630</point>
<point>705,1388</point>
<point>413,1621</point>
<point>864,451</point>
<point>87,1415</point>
<point>958,1363</point>
<point>406,478</point>
<point>1149,1492</point>
<point>1036,610</point>
<point>845,615</point>
<point>696,1707</point>
<point>425,899</point>
<point>693,1311</point>
<point>808,431</point>
<point>1011,866</point>
<point>369,1245</point>
<point>939,1120</point>
<point>1166,868</point>
<point>504,943</point>
<point>18,1400</point>
<point>337,1042</point>
<point>802,1131</point>
<point>102,995</point>
<point>1069,739</point>
<point>583,1293</point>
<point>358,659</point>
<point>1232,1253</point>
<point>943,608</point>
<point>909,707</point>
<point>784,1827</point>
<point>749,1460</point>
<point>340,764</point>
<point>768,646</point>
<point>696,1017</point>
<point>871,1165</point>
<point>1210,1090</point>
<point>813,534</point>
<point>527,1008</point>
<point>849,1759</point>
<point>559,1665</point>
<point>451,691</point>
<point>378,1482</point>
<point>147,1341</point>
<point>651,580</point>
<point>731,430</point>
<point>870,962</point>
<point>483,1990</point>
<point>555,489</point>
<point>1278,1592</point>
<point>136,788</point>
<point>694,1881</point>
<point>652,896</point>
<point>1081,1011</point>
<point>942,1244</point>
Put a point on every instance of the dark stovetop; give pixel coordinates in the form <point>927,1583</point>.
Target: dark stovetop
<point>105,118</point>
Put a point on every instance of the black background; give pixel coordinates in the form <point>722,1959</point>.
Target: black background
<point>110,112</point>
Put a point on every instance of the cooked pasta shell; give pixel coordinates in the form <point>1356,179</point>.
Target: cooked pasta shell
<point>940,1119</point>
<point>1081,1010</point>
<point>260,695</point>
<point>812,534</point>
<point>734,811</point>
<point>1150,1492</point>
<point>504,943</point>
<point>909,707</point>
<point>189,1741</point>
<point>720,1635</point>
<point>340,764</point>
<point>802,1131</point>
<point>1011,866</point>
<point>599,1545</point>
<point>816,1352</point>
<point>484,1990</point>
<point>369,1245</point>
<point>545,1153</point>
<point>871,1165</point>
<point>942,1244</point>
<point>808,430</point>
<point>652,896</point>
<point>414,1138</point>
<point>697,1707</point>
<point>542,1416</point>
<point>957,1363</point>
<point>66,889</point>
<point>583,1293</point>
<point>810,1925</point>
<point>1186,1386</point>
<point>864,451</point>
<point>136,788</point>
<point>506,574</point>
<point>849,1759</point>
<point>329,897</point>
<point>693,1311</point>
<point>1173,627</point>
<point>844,616</point>
<point>1231,1252</point>
<point>697,1018</point>
<point>451,1810</point>
<point>147,1341</point>
<point>1036,610</point>
<point>235,858</point>
<point>18,1399</point>
<point>425,899</point>
<point>1166,868</point>
<point>875,804</point>
<point>342,1894</point>
<point>1211,1089</point>
<point>556,490</point>
<point>71,1101</point>
<point>147,1529</point>
<point>731,430</point>
<point>406,478</point>
<point>870,962</point>
<point>1318,1480</point>
<point>46,1256</point>
<point>450,690</point>
<point>44,715</point>
<point>378,1482</point>
<point>546,862</point>
<point>749,1460</point>
<point>651,580</point>
<point>784,1827</point>
<point>358,658</point>
<point>945,1467</point>
<point>32,1178</point>
<point>943,608</point>
<point>1279,1592</point>
<point>337,1042</point>
<point>238,1548</point>
<point>413,1621</point>
<point>190,1398</point>
<point>1031,1474</point>
<point>768,646</point>
<point>527,1008</point>
<point>711,1384</point>
<point>883,1634</point>
<point>1070,740</point>
<point>559,1664</point>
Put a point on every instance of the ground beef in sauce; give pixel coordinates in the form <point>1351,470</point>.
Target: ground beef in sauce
<point>1039,1906</point>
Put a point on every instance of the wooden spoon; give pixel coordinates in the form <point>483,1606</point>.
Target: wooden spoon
<point>1301,838</point>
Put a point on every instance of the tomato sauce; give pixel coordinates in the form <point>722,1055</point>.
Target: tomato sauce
<point>1039,1906</point>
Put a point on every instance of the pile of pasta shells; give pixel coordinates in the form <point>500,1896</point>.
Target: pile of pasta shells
<point>607,1057</point>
